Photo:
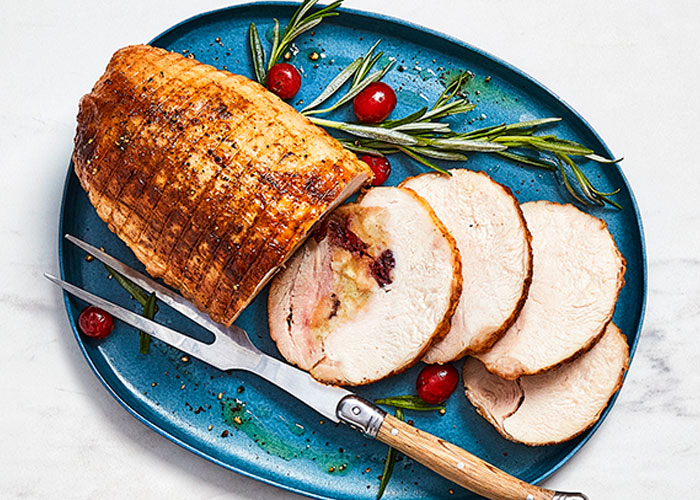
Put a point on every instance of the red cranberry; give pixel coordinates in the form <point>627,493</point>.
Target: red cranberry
<point>284,80</point>
<point>95,323</point>
<point>436,382</point>
<point>374,103</point>
<point>380,166</point>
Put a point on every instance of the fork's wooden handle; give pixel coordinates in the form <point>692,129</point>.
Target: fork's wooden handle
<point>460,466</point>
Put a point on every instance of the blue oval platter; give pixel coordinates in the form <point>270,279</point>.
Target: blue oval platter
<point>281,441</point>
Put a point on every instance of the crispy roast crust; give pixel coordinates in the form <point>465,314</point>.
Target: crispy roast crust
<point>210,179</point>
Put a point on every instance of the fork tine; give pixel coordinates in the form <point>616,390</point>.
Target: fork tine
<point>163,333</point>
<point>177,302</point>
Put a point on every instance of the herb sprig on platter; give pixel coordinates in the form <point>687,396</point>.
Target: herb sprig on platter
<point>400,403</point>
<point>422,136</point>
<point>300,23</point>
<point>147,301</point>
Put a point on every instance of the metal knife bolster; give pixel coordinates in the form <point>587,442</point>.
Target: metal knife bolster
<point>361,415</point>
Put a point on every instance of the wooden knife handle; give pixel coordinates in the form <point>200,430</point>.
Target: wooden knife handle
<point>460,466</point>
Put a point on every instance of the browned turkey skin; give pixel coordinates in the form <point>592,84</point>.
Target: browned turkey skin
<point>211,180</point>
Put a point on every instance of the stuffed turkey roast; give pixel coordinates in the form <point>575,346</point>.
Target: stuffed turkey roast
<point>371,291</point>
<point>210,179</point>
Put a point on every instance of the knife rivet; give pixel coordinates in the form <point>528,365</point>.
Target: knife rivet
<point>394,432</point>
<point>356,410</point>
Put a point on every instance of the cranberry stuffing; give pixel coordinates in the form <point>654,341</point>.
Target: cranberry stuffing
<point>342,236</point>
<point>284,80</point>
<point>381,268</point>
<point>380,166</point>
<point>436,382</point>
<point>374,103</point>
<point>95,323</point>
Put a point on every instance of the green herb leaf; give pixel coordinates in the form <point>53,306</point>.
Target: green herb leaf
<point>369,131</point>
<point>408,403</point>
<point>568,186</point>
<point>485,132</point>
<point>422,127</point>
<point>601,159</point>
<point>413,117</point>
<point>453,108</point>
<point>148,301</point>
<point>298,25</point>
<point>389,463</point>
<point>360,67</point>
<point>363,149</point>
<point>275,40</point>
<point>465,145</point>
<point>411,153</point>
<point>533,123</point>
<point>527,160</point>
<point>367,61</point>
<point>440,154</point>
<point>335,84</point>
<point>149,310</point>
<point>257,54</point>
<point>134,290</point>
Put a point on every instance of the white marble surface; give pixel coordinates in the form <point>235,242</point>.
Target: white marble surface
<point>629,67</point>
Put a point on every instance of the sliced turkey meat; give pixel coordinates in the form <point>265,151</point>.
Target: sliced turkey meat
<point>494,243</point>
<point>369,293</point>
<point>577,276</point>
<point>555,406</point>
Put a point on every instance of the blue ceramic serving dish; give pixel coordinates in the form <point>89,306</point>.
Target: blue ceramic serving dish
<point>285,443</point>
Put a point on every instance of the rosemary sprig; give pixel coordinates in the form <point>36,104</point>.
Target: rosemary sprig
<point>299,24</point>
<point>408,403</point>
<point>149,311</point>
<point>400,403</point>
<point>390,461</point>
<point>421,135</point>
<point>150,308</point>
<point>359,71</point>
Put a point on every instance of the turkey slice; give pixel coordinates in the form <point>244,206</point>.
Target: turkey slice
<point>577,276</point>
<point>494,243</point>
<point>555,406</point>
<point>369,293</point>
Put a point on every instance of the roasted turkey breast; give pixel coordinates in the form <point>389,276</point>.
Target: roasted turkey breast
<point>494,243</point>
<point>577,276</point>
<point>555,406</point>
<point>370,292</point>
<point>210,179</point>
